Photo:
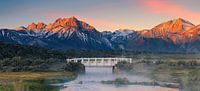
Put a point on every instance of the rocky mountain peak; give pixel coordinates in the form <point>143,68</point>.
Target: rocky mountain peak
<point>31,26</point>
<point>41,25</point>
<point>71,33</point>
<point>181,20</point>
<point>174,26</point>
<point>21,28</point>
<point>38,26</point>
<point>62,24</point>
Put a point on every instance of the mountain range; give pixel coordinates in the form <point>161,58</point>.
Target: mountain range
<point>176,35</point>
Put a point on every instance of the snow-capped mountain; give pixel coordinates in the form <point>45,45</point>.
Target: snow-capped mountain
<point>176,35</point>
<point>183,33</point>
<point>133,40</point>
<point>66,33</point>
<point>172,30</point>
<point>119,38</point>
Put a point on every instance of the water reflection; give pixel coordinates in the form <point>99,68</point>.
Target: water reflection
<point>91,82</point>
<point>100,87</point>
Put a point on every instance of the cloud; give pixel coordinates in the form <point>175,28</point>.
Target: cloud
<point>100,24</point>
<point>170,8</point>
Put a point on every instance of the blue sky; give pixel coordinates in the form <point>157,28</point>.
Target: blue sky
<point>102,14</point>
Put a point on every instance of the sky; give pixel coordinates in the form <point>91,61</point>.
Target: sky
<point>104,15</point>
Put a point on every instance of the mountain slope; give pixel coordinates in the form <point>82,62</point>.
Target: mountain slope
<point>120,38</point>
<point>172,30</point>
<point>176,35</point>
<point>66,33</point>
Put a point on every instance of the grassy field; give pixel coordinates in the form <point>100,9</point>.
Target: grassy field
<point>185,72</point>
<point>7,77</point>
<point>189,78</point>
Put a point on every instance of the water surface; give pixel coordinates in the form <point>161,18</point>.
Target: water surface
<point>91,81</point>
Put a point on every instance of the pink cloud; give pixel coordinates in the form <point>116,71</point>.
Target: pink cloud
<point>171,9</point>
<point>100,24</point>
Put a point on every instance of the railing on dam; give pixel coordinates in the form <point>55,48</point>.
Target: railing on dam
<point>100,61</point>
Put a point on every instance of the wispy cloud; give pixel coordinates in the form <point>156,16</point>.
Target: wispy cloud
<point>170,8</point>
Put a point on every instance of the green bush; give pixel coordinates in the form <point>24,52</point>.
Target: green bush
<point>75,67</point>
<point>124,66</point>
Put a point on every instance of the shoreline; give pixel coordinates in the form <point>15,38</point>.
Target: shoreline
<point>161,84</point>
<point>9,77</point>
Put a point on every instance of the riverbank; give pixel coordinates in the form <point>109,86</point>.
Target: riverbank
<point>125,81</point>
<point>33,81</point>
<point>9,77</point>
<point>185,73</point>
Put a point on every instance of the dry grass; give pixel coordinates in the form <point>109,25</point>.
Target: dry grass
<point>32,75</point>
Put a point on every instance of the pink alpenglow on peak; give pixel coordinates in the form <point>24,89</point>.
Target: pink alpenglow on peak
<point>176,30</point>
<point>61,24</point>
<point>36,27</point>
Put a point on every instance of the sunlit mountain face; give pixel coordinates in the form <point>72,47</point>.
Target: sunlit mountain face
<point>177,30</point>
<point>66,33</point>
<point>176,35</point>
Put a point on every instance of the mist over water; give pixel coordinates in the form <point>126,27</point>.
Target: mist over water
<point>98,74</point>
<point>91,81</point>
